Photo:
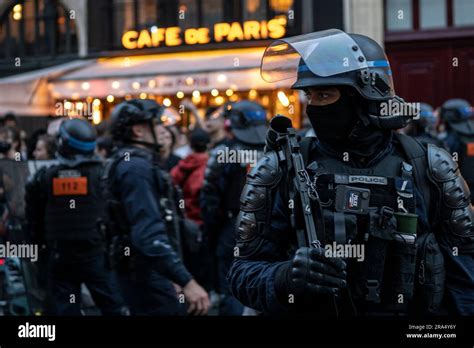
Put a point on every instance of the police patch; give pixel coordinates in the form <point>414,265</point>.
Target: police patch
<point>366,179</point>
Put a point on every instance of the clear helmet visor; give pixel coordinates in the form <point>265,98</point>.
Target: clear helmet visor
<point>324,53</point>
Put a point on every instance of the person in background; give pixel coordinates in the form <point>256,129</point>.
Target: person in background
<point>105,146</point>
<point>181,147</point>
<point>45,148</point>
<point>423,128</point>
<point>214,125</point>
<point>10,142</point>
<point>166,140</point>
<point>189,173</point>
<point>10,120</point>
<point>189,176</point>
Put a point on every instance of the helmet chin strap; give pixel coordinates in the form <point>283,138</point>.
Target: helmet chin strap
<point>152,146</point>
<point>386,121</point>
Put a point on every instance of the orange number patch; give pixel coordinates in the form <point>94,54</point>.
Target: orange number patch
<point>70,186</point>
<point>470,149</point>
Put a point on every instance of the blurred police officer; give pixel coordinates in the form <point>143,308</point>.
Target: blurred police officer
<point>145,251</point>
<point>423,128</point>
<point>458,118</point>
<point>64,209</point>
<point>405,206</point>
<point>224,179</point>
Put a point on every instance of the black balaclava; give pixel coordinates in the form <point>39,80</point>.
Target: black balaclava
<point>339,126</point>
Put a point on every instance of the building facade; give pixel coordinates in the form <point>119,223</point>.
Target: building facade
<point>203,53</point>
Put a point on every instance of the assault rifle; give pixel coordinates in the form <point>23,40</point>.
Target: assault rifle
<point>282,138</point>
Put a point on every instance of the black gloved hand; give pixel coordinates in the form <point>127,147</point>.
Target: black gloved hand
<point>310,272</point>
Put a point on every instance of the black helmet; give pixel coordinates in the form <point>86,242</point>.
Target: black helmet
<point>335,58</point>
<point>455,110</point>
<point>427,116</point>
<point>373,82</point>
<point>331,58</point>
<point>247,120</point>
<point>76,137</point>
<point>131,112</point>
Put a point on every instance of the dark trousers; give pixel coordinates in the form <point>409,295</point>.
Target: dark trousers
<point>229,305</point>
<point>147,292</point>
<point>66,273</point>
<point>200,264</point>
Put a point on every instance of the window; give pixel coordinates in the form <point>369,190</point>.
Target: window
<point>36,28</point>
<point>213,12</point>
<point>254,10</point>
<point>399,15</point>
<point>427,16</point>
<point>147,13</point>
<point>433,14</point>
<point>463,13</point>
<point>188,14</point>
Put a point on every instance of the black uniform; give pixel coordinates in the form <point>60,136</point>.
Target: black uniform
<point>389,212</point>
<point>223,182</point>
<point>64,208</point>
<point>144,241</point>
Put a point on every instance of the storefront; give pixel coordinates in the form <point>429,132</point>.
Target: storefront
<point>185,81</point>
<point>188,55</point>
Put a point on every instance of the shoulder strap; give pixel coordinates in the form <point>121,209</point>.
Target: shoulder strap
<point>416,156</point>
<point>306,144</point>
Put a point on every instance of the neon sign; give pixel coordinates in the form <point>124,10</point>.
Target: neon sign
<point>222,32</point>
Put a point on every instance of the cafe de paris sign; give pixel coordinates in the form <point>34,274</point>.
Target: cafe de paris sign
<point>222,32</point>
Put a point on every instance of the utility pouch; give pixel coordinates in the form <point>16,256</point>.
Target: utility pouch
<point>339,227</point>
<point>381,226</point>
<point>399,277</point>
<point>430,275</point>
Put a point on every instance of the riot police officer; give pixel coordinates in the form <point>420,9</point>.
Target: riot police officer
<point>423,127</point>
<point>64,209</point>
<point>458,118</point>
<point>145,250</point>
<point>393,227</point>
<point>223,181</point>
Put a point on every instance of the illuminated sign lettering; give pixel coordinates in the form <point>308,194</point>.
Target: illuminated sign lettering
<point>222,32</point>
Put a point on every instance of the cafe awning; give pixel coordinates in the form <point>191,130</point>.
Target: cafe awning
<point>29,94</point>
<point>163,74</point>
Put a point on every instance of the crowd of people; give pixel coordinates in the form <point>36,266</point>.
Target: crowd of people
<point>211,189</point>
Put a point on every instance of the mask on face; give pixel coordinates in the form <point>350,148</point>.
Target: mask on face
<point>334,122</point>
<point>4,147</point>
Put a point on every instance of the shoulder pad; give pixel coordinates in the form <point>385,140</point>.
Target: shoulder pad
<point>267,172</point>
<point>440,164</point>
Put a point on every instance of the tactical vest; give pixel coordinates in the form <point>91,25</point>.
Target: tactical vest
<point>117,224</point>
<point>74,207</point>
<point>370,220</point>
